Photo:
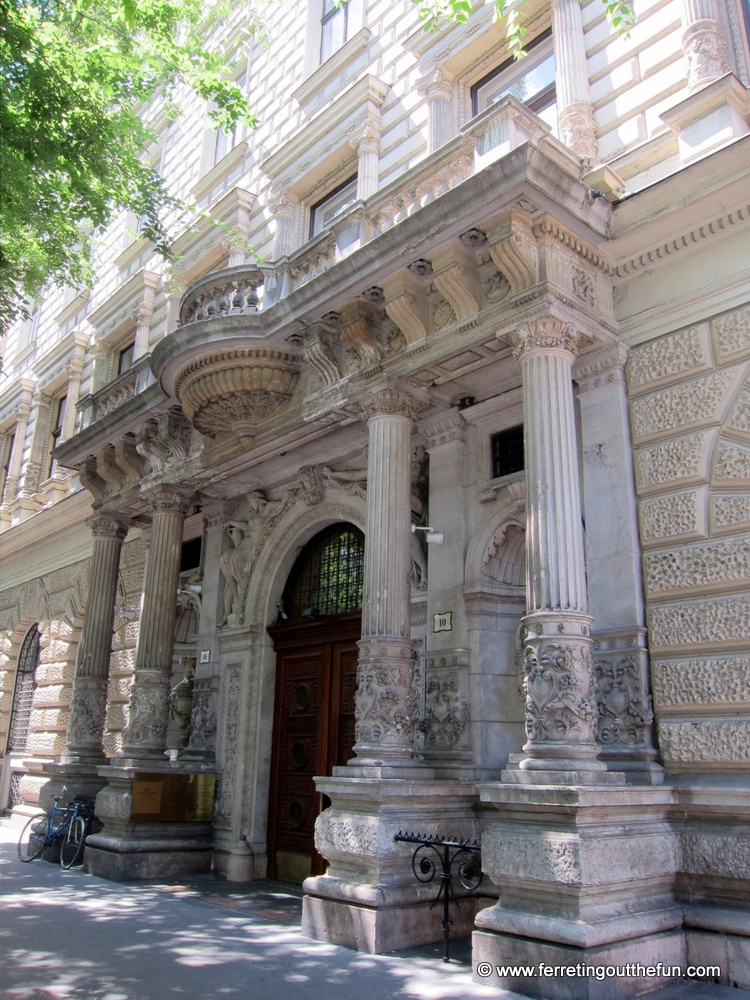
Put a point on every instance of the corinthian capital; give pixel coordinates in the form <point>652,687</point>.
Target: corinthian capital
<point>543,336</point>
<point>390,402</point>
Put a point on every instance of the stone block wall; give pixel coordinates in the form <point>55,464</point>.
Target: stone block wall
<point>690,415</point>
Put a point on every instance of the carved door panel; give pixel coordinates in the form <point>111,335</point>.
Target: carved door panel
<point>316,683</point>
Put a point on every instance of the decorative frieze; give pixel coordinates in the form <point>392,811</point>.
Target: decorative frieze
<point>669,358</point>
<point>696,623</point>
<point>702,682</point>
<point>732,334</point>
<point>702,566</point>
<point>683,406</point>
<point>682,460</point>
<point>706,741</point>
<point>674,516</point>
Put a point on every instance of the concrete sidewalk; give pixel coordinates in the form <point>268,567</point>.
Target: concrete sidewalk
<point>71,936</point>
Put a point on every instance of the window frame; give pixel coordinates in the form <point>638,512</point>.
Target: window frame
<point>317,226</point>
<point>330,16</point>
<point>56,431</point>
<point>538,51</point>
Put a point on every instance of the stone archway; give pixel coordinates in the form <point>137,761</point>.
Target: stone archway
<point>316,683</point>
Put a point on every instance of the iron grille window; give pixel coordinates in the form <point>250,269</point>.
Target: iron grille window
<point>23,696</point>
<point>327,577</point>
<point>507,452</point>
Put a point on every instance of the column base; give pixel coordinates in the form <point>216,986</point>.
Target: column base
<point>370,898</point>
<point>586,877</point>
<point>616,971</point>
<point>73,779</point>
<point>157,822</point>
<point>379,929</point>
<point>151,852</point>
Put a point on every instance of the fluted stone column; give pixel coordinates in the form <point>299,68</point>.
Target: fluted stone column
<point>149,705</point>
<point>559,680</point>
<point>145,312</point>
<point>575,112</point>
<point>703,43</point>
<point>438,89</point>
<point>88,705</point>
<point>383,713</point>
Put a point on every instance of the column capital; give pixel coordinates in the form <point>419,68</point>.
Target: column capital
<point>603,366</point>
<point>443,427</point>
<point>104,525</point>
<point>366,135</point>
<point>543,336</point>
<point>435,83</point>
<point>170,498</point>
<point>391,401</point>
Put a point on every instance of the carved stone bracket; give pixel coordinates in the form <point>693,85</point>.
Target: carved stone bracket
<point>406,305</point>
<point>456,278</point>
<point>513,252</point>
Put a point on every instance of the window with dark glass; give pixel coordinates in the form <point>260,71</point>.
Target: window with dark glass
<point>125,359</point>
<point>323,211</point>
<point>328,575</point>
<point>507,452</point>
<point>333,28</point>
<point>530,80</point>
<point>190,557</point>
<point>56,432</point>
<point>23,695</point>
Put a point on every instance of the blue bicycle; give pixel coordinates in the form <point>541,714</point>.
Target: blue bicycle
<point>68,824</point>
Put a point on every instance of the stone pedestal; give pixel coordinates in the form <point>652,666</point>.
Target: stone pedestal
<point>585,877</point>
<point>131,846</point>
<point>369,899</point>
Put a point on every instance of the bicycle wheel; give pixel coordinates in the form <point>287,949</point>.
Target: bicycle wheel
<point>71,850</point>
<point>33,838</point>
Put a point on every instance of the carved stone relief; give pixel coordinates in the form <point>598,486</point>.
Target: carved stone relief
<point>444,726</point>
<point>702,682</point>
<point>228,749</point>
<point>669,358</point>
<point>732,334</point>
<point>673,462</point>
<point>672,516</point>
<point>688,403</point>
<point>698,566</point>
<point>706,741</point>
<point>701,622</point>
<point>625,715</point>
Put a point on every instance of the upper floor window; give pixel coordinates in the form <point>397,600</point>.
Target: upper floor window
<point>333,27</point>
<point>225,142</point>
<point>9,440</point>
<point>530,80</point>
<point>125,359</point>
<point>56,431</point>
<point>323,211</point>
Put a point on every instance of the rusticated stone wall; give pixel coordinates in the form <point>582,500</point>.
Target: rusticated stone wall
<point>690,415</point>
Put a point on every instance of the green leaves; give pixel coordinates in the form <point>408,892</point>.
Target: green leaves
<point>74,75</point>
<point>434,12</point>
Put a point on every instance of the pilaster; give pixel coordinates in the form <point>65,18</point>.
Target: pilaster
<point>437,87</point>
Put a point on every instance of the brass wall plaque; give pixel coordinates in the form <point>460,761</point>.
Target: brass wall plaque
<point>172,798</point>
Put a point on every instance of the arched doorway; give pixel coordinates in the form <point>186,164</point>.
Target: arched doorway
<point>316,682</point>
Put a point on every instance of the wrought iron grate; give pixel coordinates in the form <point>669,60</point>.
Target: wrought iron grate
<point>327,576</point>
<point>23,697</point>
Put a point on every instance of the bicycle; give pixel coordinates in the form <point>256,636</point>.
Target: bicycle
<point>66,823</point>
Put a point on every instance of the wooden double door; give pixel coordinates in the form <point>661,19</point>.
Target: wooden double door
<point>316,684</point>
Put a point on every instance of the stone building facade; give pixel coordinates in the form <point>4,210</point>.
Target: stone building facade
<point>414,497</point>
